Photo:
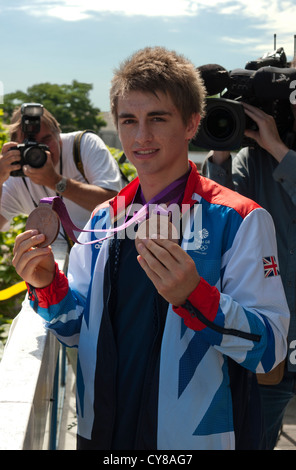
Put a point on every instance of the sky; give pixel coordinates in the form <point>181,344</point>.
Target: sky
<point>58,41</point>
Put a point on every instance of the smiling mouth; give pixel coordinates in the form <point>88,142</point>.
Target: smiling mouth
<point>145,153</point>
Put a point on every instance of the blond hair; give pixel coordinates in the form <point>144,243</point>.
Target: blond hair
<point>157,69</point>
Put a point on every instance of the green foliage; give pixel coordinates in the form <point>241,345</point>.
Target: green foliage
<point>126,167</point>
<point>8,276</point>
<point>9,308</point>
<point>3,131</point>
<point>69,104</point>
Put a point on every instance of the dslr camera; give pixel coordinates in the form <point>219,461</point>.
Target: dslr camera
<point>32,153</point>
<point>264,83</point>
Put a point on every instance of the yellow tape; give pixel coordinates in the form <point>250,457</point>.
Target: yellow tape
<point>13,290</point>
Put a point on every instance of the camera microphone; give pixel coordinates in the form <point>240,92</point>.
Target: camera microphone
<point>215,77</point>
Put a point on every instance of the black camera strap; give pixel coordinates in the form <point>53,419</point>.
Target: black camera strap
<point>78,159</point>
<point>33,200</point>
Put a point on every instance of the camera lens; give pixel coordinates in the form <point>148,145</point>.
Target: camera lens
<point>223,126</point>
<point>220,123</point>
<point>35,157</point>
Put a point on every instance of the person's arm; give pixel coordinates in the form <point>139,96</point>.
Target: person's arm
<point>267,135</point>
<point>101,171</point>
<point>86,195</point>
<point>268,138</point>
<point>219,166</point>
<point>8,163</point>
<point>52,295</point>
<point>248,320</point>
<point>48,287</point>
<point>285,174</point>
<point>3,222</point>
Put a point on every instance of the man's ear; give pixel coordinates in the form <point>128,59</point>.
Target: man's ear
<point>192,125</point>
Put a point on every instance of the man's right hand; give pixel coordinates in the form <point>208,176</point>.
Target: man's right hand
<point>7,157</point>
<point>35,265</point>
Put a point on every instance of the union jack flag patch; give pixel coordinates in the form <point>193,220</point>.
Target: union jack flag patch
<point>270,266</point>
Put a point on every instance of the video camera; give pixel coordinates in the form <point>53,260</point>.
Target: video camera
<point>264,83</point>
<point>32,153</point>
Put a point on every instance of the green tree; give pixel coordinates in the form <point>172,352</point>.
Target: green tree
<point>70,104</point>
<point>3,131</point>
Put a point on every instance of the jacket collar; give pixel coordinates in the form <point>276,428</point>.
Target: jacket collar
<point>126,195</point>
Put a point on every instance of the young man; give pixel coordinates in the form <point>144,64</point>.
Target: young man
<point>59,174</point>
<point>168,334</point>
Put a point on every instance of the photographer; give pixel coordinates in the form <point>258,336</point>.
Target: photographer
<point>59,174</point>
<point>266,173</point>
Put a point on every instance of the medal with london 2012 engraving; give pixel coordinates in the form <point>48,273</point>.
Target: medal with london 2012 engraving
<point>46,221</point>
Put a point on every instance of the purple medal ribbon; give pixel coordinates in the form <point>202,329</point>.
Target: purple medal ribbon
<point>172,193</point>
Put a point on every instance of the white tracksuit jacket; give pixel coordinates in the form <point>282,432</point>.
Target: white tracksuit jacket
<point>238,312</point>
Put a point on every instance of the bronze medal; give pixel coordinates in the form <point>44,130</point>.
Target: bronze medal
<point>46,221</point>
<point>157,225</point>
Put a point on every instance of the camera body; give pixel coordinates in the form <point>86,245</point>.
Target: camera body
<point>32,153</point>
<point>265,84</point>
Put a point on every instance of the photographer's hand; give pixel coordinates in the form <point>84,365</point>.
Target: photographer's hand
<point>267,135</point>
<point>7,158</point>
<point>45,176</point>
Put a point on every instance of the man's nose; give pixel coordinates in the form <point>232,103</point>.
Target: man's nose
<point>144,133</point>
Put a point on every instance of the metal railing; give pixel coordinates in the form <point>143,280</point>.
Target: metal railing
<point>32,379</point>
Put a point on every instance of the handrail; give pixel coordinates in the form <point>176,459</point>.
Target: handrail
<point>28,369</point>
<point>12,290</point>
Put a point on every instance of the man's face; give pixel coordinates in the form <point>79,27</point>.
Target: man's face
<point>49,138</point>
<point>153,135</point>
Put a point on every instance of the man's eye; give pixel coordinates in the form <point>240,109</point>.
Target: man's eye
<point>158,119</point>
<point>128,121</point>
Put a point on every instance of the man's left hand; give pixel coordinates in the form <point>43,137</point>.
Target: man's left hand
<point>45,176</point>
<point>170,268</point>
